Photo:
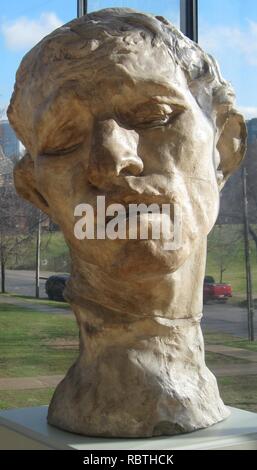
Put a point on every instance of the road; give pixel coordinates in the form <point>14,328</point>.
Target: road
<point>23,282</point>
<point>225,318</point>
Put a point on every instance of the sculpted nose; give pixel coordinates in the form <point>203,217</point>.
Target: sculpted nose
<point>113,153</point>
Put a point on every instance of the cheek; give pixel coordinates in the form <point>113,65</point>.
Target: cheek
<point>188,146</point>
<point>203,205</point>
<point>196,144</point>
<point>60,180</point>
<point>158,148</point>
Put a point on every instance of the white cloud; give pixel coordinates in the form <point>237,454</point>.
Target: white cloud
<point>223,39</point>
<point>24,33</point>
<point>249,112</point>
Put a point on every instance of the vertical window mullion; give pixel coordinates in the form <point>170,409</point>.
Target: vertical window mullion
<point>81,8</point>
<point>189,18</point>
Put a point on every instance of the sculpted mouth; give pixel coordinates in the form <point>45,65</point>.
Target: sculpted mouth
<point>132,202</point>
<point>129,206</point>
<point>136,199</point>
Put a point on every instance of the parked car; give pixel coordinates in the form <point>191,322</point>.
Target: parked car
<point>54,286</point>
<point>215,291</point>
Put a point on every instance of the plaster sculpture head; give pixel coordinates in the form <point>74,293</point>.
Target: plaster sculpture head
<point>121,104</point>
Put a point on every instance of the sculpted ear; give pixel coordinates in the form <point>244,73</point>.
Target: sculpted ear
<point>25,183</point>
<point>231,144</point>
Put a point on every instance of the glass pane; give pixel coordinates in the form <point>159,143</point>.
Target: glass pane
<point>228,31</point>
<point>23,25</point>
<point>167,8</point>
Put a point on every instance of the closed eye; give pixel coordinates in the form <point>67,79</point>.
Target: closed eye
<point>150,117</point>
<point>61,150</point>
<point>163,121</point>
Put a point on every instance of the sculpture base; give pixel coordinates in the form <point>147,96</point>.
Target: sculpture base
<point>27,429</point>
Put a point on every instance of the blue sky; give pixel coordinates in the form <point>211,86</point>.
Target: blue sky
<point>227,29</point>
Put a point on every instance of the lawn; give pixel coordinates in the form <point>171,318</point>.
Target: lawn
<point>32,300</point>
<point>216,359</point>
<point>25,342</point>
<point>239,391</point>
<point>226,251</point>
<point>25,398</point>
<point>229,340</point>
<point>54,254</point>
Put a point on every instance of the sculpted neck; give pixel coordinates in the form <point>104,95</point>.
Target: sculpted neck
<point>175,295</point>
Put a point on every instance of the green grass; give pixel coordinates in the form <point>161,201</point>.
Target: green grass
<point>54,254</point>
<point>25,398</point>
<point>229,340</point>
<point>24,342</point>
<point>226,248</point>
<point>239,391</point>
<point>33,300</point>
<point>215,359</point>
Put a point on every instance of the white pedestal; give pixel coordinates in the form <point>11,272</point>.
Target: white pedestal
<point>27,428</point>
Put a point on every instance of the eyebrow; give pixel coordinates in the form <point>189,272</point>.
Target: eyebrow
<point>155,100</point>
<point>158,85</point>
<point>42,118</point>
<point>172,91</point>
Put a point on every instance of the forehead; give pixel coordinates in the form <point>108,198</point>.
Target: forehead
<point>113,60</point>
<point>113,76</point>
<point>69,79</point>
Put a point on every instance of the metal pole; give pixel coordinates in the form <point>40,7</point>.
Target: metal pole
<point>81,8</point>
<point>189,18</point>
<point>250,308</point>
<point>38,256</point>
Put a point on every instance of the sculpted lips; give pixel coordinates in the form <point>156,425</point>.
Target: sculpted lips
<point>140,203</point>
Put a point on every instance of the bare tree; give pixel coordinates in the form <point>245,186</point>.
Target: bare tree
<point>19,220</point>
<point>223,244</point>
<point>252,190</point>
<point>18,223</point>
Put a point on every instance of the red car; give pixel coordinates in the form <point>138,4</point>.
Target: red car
<point>215,291</point>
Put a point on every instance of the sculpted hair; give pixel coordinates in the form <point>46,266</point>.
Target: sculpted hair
<point>77,45</point>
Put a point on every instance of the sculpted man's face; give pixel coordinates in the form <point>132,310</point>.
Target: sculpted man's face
<point>135,134</point>
<point>139,141</point>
